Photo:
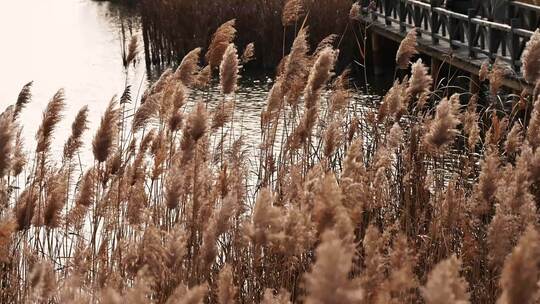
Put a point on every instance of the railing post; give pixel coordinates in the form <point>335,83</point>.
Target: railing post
<point>434,24</point>
<point>451,30</point>
<point>417,18</point>
<point>374,13</point>
<point>514,43</point>
<point>512,12</point>
<point>387,11</point>
<point>471,38</point>
<point>493,45</point>
<point>402,16</point>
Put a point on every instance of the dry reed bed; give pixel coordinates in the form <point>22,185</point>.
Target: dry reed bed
<point>163,216</point>
<point>173,28</point>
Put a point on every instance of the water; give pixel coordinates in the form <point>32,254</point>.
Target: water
<point>70,44</point>
<point>77,45</point>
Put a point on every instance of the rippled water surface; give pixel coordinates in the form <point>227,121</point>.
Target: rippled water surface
<point>76,45</point>
<point>70,44</point>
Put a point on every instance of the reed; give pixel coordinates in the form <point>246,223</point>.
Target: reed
<point>173,28</point>
<point>414,199</point>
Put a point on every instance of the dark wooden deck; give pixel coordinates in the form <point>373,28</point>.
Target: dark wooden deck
<point>462,40</point>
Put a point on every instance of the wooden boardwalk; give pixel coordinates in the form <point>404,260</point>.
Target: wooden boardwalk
<point>462,40</point>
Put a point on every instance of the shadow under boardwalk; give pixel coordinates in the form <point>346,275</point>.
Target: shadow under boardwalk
<point>464,41</point>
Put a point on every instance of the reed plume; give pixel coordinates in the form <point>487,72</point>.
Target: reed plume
<point>395,136</point>
<point>445,285</point>
<point>267,220</point>
<point>43,281</point>
<point>496,77</point>
<point>173,187</point>
<point>339,101</point>
<point>176,121</point>
<point>159,86</point>
<point>226,289</point>
<point>274,102</point>
<point>133,51</point>
<point>183,295</point>
<point>248,54</point>
<point>531,59</point>
<point>74,142</point>
<point>6,142</point>
<point>420,81</point>
<point>197,122</point>
<point>295,67</point>
<point>374,244</point>
<point>320,73</point>
<point>223,36</point>
<point>327,42</point>
<point>515,209</point>
<point>332,139</point>
<point>228,70</point>
<point>203,77</point>
<point>470,123</point>
<point>488,181</point>
<point>407,49</point>
<point>514,139</point>
<point>85,197</point>
<point>56,198</point>
<point>520,272</point>
<point>189,67</point>
<point>534,124</point>
<point>328,280</point>
<point>25,208</point>
<point>51,117</point>
<point>105,137</point>
<point>8,226</point>
<point>483,73</point>
<point>402,284</point>
<point>18,161</point>
<point>443,128</point>
<point>222,114</point>
<point>354,13</point>
<point>281,298</point>
<point>25,96</point>
<point>395,101</point>
<point>292,11</point>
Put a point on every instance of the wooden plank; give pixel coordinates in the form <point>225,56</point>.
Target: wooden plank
<point>444,53</point>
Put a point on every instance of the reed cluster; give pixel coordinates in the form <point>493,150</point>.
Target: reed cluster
<point>173,28</point>
<point>417,199</point>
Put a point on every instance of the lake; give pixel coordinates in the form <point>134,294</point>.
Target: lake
<point>77,45</point>
<point>70,44</point>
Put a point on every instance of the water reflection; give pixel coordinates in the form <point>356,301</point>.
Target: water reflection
<point>70,44</point>
<point>77,45</point>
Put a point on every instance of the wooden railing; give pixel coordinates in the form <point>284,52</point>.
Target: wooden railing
<point>472,33</point>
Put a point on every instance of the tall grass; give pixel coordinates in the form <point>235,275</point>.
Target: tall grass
<point>173,28</point>
<point>352,204</point>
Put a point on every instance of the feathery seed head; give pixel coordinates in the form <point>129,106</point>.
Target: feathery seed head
<point>292,11</point>
<point>407,49</point>
<point>223,36</point>
<point>531,59</point>
<point>51,117</point>
<point>105,138</point>
<point>228,70</point>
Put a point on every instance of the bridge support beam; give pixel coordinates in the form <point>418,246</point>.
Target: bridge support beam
<point>377,54</point>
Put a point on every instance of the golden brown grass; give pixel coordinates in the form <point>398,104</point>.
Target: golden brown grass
<point>354,204</point>
<point>407,49</point>
<point>172,28</point>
